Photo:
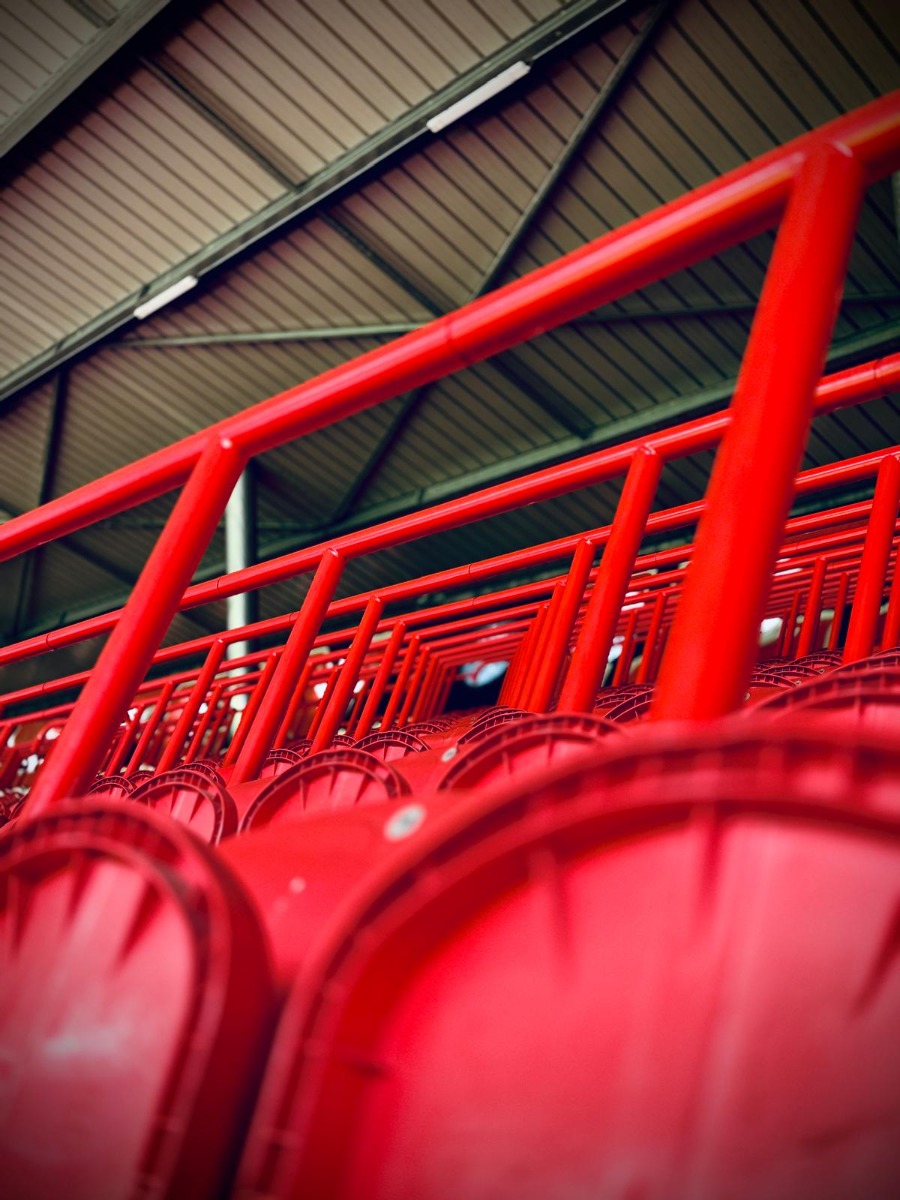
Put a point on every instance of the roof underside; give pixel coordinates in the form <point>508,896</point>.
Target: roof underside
<point>279,150</point>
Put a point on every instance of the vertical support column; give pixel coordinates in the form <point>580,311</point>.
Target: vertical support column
<point>644,671</point>
<point>294,703</point>
<point>206,720</point>
<point>380,681</point>
<point>296,652</point>
<point>891,635</point>
<point>192,704</point>
<point>840,603</point>
<point>240,552</point>
<point>623,666</point>
<point>786,644</point>
<point>348,675</point>
<point>413,690</point>
<point>251,707</point>
<point>613,576</point>
<point>873,566</point>
<point>715,633</point>
<point>125,658</point>
<point>809,632</point>
<point>405,667</point>
<point>151,726</point>
<point>553,656</point>
<point>520,693</point>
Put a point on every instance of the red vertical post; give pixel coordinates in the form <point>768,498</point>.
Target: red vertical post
<point>786,644</point>
<point>415,683</point>
<point>294,703</point>
<point>520,693</point>
<point>592,649</point>
<point>874,563</point>
<point>840,603</point>
<point>556,646</point>
<point>296,651</point>
<point>715,633</point>
<point>120,750</point>
<point>402,676</point>
<point>192,704</point>
<point>891,636</point>
<point>125,658</point>
<point>623,666</point>
<point>207,718</point>
<point>421,700</point>
<point>151,726</point>
<point>809,632</point>
<point>644,671</point>
<point>380,681</point>
<point>536,661</point>
<point>348,675</point>
<point>252,707</point>
<point>359,703</point>
<point>324,701</point>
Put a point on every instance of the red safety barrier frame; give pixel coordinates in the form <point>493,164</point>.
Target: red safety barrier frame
<point>812,188</point>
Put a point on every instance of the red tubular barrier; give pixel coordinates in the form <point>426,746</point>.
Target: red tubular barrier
<point>810,631</point>
<point>592,649</point>
<point>126,656</point>
<point>348,676</point>
<point>873,568</point>
<point>708,662</point>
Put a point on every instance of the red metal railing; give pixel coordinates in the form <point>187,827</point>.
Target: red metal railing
<point>812,187</point>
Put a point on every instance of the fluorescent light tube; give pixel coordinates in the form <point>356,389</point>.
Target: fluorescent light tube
<point>479,96</point>
<point>166,296</point>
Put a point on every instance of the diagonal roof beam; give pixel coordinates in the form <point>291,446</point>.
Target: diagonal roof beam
<point>558,34</point>
<point>586,125</point>
<point>111,36</point>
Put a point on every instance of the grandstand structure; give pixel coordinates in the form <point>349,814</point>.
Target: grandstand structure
<point>450,684</point>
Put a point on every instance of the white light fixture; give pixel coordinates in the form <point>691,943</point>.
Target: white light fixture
<point>479,96</point>
<point>166,296</point>
<point>629,607</point>
<point>789,571</point>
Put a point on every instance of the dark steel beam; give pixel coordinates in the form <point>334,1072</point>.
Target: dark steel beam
<point>556,35</point>
<point>565,414</point>
<point>111,36</point>
<point>396,328</point>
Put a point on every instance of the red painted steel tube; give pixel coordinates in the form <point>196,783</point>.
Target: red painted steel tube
<point>643,674</point>
<point>185,722</point>
<point>592,649</point>
<point>891,635</point>
<point>296,652</point>
<point>412,691</point>
<point>127,736</point>
<point>712,647</point>
<point>852,386</point>
<point>359,703</point>
<point>623,664</point>
<point>809,631</point>
<point>526,679</point>
<point>324,701</point>
<point>124,660</point>
<point>252,706</point>
<point>150,727</point>
<point>789,628</point>
<point>380,682</point>
<point>398,690</point>
<point>206,719</point>
<point>553,654</point>
<point>873,567</point>
<point>348,675</point>
<point>840,603</point>
<point>554,611</point>
<point>732,208</point>
<point>290,716</point>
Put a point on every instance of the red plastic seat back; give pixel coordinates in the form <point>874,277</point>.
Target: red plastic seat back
<point>136,1001</point>
<point>666,973</point>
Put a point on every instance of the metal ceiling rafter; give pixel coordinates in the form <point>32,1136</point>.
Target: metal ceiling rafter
<point>559,32</point>
<point>394,329</point>
<point>111,36</point>
<point>586,125</point>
